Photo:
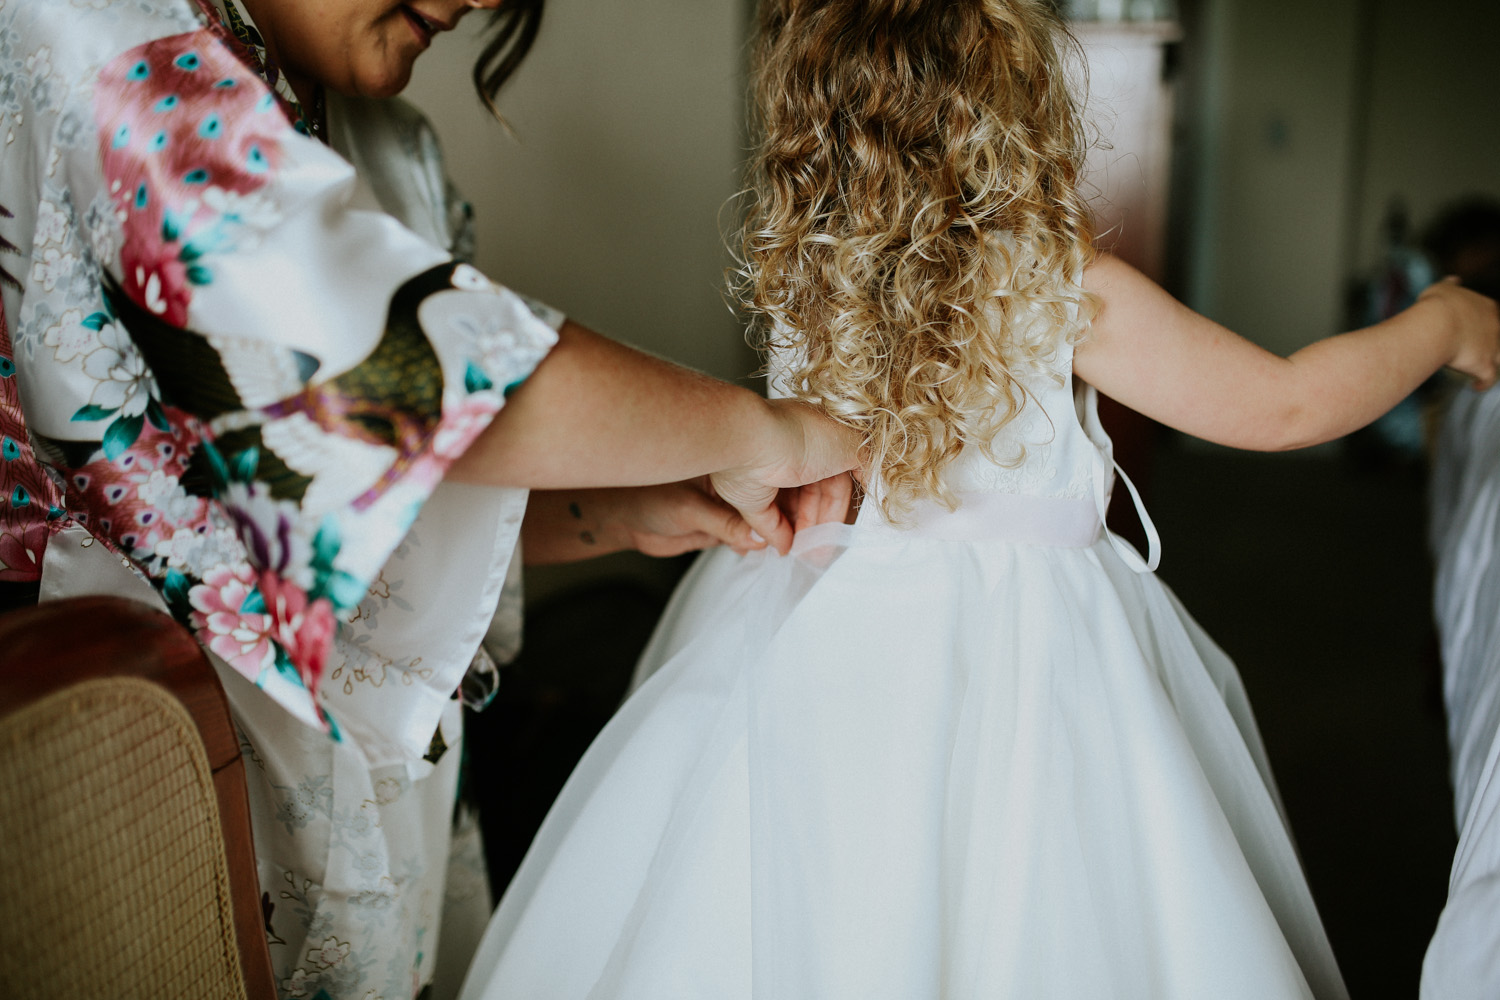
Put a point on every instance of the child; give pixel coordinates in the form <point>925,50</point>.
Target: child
<point>968,746</point>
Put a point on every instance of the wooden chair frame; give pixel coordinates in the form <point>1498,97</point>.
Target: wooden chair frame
<point>54,645</point>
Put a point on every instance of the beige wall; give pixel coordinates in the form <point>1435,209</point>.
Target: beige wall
<point>1305,121</point>
<point>1434,132</point>
<point>1276,141</point>
<point>607,205</point>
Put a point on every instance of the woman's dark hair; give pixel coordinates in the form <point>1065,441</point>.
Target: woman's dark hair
<point>512,29</point>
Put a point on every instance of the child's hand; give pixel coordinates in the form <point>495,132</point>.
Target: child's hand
<point>807,447</point>
<point>1475,321</point>
<point>826,501</point>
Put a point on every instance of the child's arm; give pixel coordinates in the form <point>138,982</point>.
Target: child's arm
<point>1158,357</point>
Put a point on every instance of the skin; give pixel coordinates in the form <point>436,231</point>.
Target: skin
<point>598,413</point>
<point>365,48</point>
<point>1158,357</point>
<point>668,520</point>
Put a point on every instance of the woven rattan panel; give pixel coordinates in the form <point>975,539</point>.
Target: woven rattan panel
<point>112,874</point>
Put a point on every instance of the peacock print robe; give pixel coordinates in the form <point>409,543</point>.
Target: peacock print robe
<point>231,383</point>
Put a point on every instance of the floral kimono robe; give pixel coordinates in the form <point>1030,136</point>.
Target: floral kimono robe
<point>230,383</point>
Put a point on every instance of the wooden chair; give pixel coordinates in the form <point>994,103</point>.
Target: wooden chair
<point>126,865</point>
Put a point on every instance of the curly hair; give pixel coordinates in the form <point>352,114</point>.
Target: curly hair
<point>915,236</point>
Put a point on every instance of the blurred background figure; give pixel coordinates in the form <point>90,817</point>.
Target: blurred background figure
<point>1464,240</point>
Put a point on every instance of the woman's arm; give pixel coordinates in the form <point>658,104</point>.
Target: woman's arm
<point>665,520</point>
<point>598,413</point>
<point>1158,357</point>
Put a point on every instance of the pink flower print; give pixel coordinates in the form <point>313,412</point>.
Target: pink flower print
<point>177,117</point>
<point>21,550</point>
<point>304,629</point>
<point>54,268</point>
<point>243,640</point>
<point>330,953</point>
<point>300,983</point>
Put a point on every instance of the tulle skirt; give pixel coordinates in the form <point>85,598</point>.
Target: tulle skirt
<point>918,769</point>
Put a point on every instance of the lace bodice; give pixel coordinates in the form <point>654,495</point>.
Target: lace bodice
<point>1050,449</point>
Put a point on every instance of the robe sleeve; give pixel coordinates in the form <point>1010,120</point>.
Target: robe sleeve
<point>298,368</point>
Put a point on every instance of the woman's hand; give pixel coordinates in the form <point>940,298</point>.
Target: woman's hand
<point>807,447</point>
<point>665,520</point>
<point>1475,321</point>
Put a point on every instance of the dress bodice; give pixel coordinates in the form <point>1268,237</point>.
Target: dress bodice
<point>1051,448</point>
<point>1047,479</point>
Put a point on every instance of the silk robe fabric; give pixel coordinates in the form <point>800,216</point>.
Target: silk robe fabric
<point>1463,960</point>
<point>229,382</point>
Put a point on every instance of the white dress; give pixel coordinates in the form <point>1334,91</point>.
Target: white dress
<point>987,755</point>
<point>1463,960</point>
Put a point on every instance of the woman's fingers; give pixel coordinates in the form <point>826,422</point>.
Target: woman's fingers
<point>808,448</point>
<point>679,517</point>
<point>768,522</point>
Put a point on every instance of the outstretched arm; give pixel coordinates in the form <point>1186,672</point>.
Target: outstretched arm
<point>598,413</point>
<point>1155,355</point>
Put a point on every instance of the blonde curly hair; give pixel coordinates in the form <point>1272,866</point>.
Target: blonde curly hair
<point>915,235</point>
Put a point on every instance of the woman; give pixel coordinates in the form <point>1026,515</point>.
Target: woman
<point>239,388</point>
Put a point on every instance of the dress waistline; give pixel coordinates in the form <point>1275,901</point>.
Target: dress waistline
<point>1058,522</point>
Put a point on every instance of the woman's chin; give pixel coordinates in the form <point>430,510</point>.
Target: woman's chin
<point>387,81</point>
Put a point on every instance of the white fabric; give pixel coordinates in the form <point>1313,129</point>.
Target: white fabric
<point>948,762</point>
<point>1463,960</point>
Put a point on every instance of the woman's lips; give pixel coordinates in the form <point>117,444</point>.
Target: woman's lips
<point>423,26</point>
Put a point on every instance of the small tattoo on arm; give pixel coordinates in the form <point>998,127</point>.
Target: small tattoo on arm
<point>587,537</point>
